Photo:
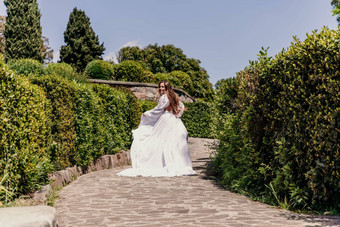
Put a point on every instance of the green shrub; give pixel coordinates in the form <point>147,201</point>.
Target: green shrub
<point>148,77</point>
<point>182,80</point>
<point>61,93</point>
<point>305,129</point>
<point>121,115</point>
<point>288,113</point>
<point>200,119</point>
<point>147,105</point>
<point>99,69</point>
<point>89,123</point>
<point>130,71</point>
<point>26,66</point>
<point>49,123</point>
<point>160,77</point>
<point>225,95</point>
<point>24,136</point>
<point>64,70</point>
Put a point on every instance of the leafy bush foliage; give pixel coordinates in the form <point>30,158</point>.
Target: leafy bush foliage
<point>282,144</point>
<point>121,114</point>
<point>168,58</point>
<point>225,95</point>
<point>131,71</point>
<point>99,69</point>
<point>182,80</point>
<point>177,79</point>
<point>200,119</point>
<point>162,76</point>
<point>49,122</point>
<point>146,105</point>
<point>26,66</point>
<point>61,93</point>
<point>64,70</point>
<point>24,135</point>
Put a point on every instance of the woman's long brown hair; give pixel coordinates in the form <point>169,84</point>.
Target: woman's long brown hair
<point>173,106</point>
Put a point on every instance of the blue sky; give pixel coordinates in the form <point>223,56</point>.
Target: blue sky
<point>223,34</point>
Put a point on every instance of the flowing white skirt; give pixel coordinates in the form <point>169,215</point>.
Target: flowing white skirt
<point>160,150</point>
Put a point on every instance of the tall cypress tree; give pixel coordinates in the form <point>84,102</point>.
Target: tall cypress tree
<point>23,30</point>
<point>82,44</point>
<point>336,10</point>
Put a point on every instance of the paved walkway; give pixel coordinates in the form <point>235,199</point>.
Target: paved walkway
<point>104,199</point>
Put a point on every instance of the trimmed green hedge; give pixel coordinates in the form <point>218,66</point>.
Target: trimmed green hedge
<point>64,70</point>
<point>26,66</point>
<point>282,144</point>
<point>200,119</point>
<point>121,113</point>
<point>61,93</point>
<point>49,122</point>
<point>147,105</point>
<point>24,135</point>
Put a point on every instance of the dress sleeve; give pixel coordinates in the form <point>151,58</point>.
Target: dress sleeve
<point>150,117</point>
<point>182,108</point>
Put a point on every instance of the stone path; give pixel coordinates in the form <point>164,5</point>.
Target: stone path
<point>103,199</point>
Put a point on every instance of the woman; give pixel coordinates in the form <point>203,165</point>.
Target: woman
<point>160,146</point>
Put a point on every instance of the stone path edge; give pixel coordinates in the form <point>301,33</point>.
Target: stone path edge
<point>61,178</point>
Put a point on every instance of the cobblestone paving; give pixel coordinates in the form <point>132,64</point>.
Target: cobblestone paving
<point>104,199</point>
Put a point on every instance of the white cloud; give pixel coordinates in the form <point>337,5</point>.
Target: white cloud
<point>133,43</point>
<point>111,56</point>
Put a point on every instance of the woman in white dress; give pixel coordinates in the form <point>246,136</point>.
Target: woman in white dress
<point>160,143</point>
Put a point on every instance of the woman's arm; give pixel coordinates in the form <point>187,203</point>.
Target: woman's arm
<point>151,116</point>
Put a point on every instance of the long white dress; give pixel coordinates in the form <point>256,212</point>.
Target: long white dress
<point>160,144</point>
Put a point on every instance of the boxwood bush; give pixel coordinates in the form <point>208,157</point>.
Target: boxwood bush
<point>282,144</point>
<point>49,122</point>
<point>200,119</point>
<point>61,93</point>
<point>99,69</point>
<point>26,66</point>
<point>121,115</point>
<point>24,135</point>
<point>132,71</point>
<point>182,80</point>
<point>64,70</point>
<point>146,105</point>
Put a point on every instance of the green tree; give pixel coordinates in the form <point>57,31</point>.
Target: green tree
<point>82,44</point>
<point>47,51</point>
<point>2,36</point>
<point>168,58</point>
<point>336,10</point>
<point>23,30</point>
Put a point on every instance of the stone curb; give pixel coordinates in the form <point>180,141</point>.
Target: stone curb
<point>46,215</point>
<point>64,177</point>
